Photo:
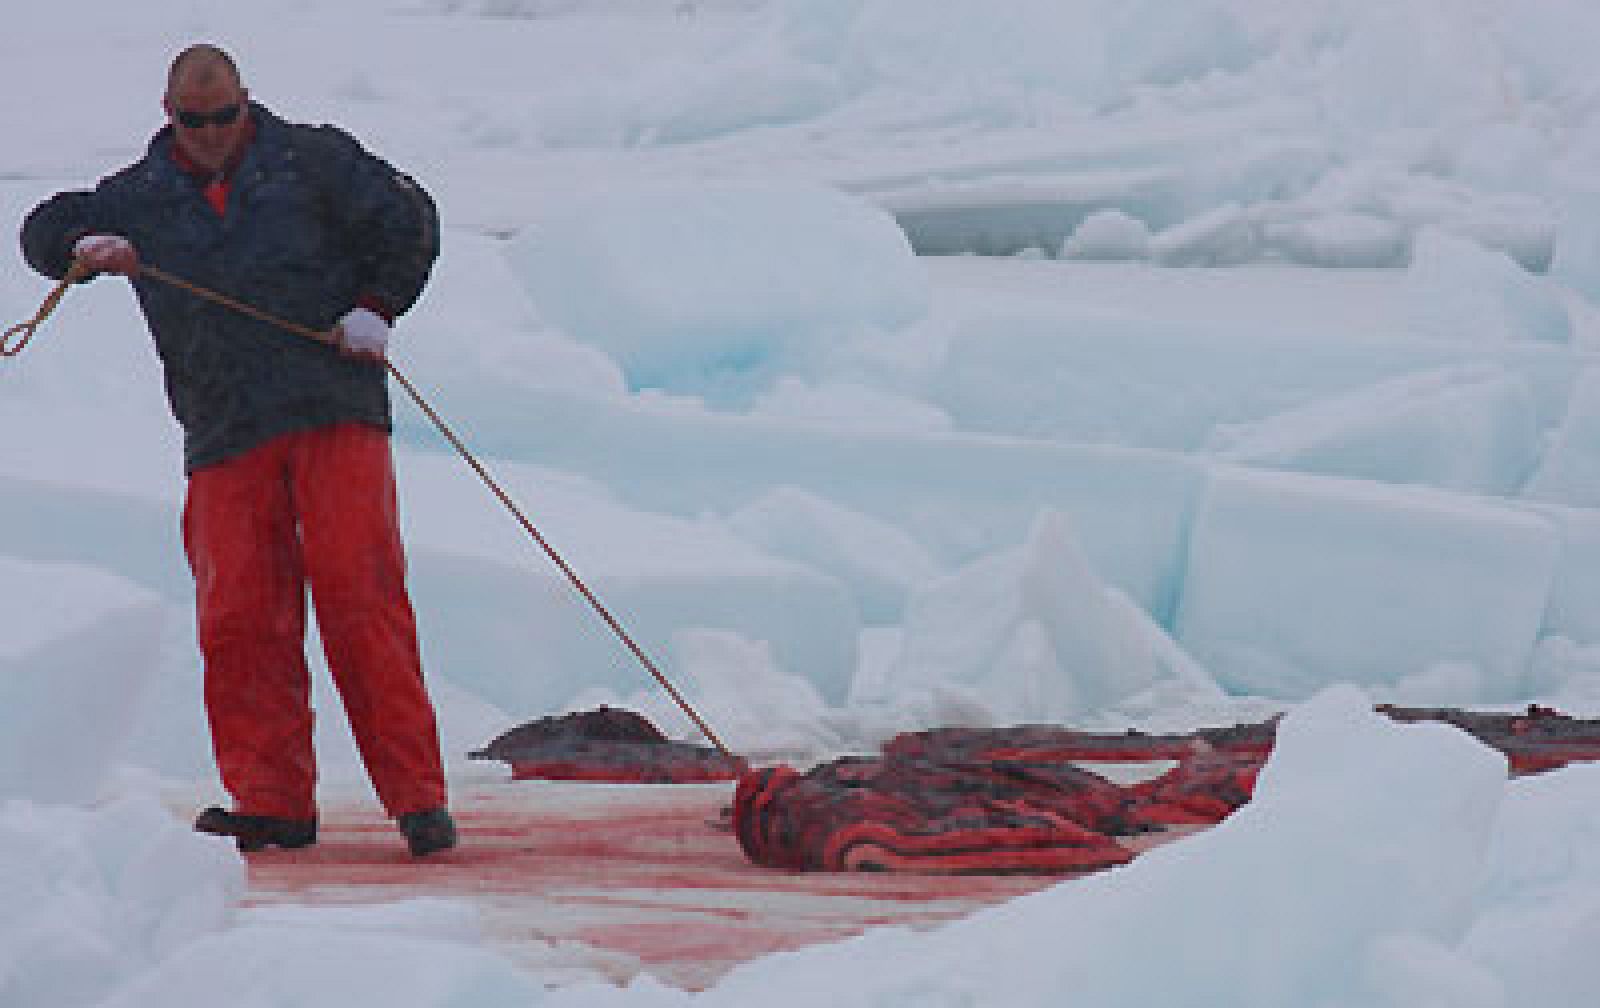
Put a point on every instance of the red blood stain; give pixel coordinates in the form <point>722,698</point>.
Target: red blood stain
<point>655,880</point>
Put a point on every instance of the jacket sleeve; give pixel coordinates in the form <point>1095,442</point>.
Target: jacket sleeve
<point>389,221</point>
<point>50,230</point>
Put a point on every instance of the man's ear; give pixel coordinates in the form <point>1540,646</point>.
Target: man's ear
<point>166,105</point>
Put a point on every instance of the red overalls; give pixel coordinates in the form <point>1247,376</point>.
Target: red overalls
<point>311,508</point>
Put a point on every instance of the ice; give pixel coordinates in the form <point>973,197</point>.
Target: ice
<point>1108,234</point>
<point>753,276</point>
<point>1468,428</point>
<point>421,917</point>
<point>1295,582</point>
<point>79,649</point>
<point>959,495</point>
<point>1538,888</point>
<point>1574,606</point>
<point>1083,367</point>
<point>1223,236</point>
<point>880,563</point>
<point>506,349</point>
<point>1338,238</point>
<point>1454,70</point>
<point>1465,292</point>
<point>529,642</point>
<point>98,895</point>
<point>1576,259</point>
<point>260,965</point>
<point>848,404</point>
<point>755,707</point>
<point>1570,470</point>
<point>1029,635</point>
<point>1403,971</point>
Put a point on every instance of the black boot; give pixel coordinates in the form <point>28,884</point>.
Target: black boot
<point>428,832</point>
<point>257,832</point>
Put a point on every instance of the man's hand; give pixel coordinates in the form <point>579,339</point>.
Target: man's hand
<point>363,333</point>
<point>107,254</point>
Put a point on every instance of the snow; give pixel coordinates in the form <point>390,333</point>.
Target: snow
<point>289,965</point>
<point>882,365</point>
<point>103,894</point>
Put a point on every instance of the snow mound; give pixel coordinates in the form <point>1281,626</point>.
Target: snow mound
<point>95,897</point>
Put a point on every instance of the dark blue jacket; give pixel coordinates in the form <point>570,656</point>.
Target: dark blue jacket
<point>314,224</point>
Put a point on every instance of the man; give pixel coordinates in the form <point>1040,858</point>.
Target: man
<point>290,479</point>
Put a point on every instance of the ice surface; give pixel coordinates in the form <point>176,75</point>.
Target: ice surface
<point>1029,635</point>
<point>1465,292</point>
<point>97,896</point>
<point>79,648</point>
<point>1080,367</point>
<point>1468,428</point>
<point>529,642</point>
<point>251,965</point>
<point>1295,582</point>
<point>880,563</point>
<point>692,288</point>
<point>1574,608</point>
<point>755,707</point>
<point>1570,470</point>
<point>959,495</point>
<point>1538,883</point>
<point>1108,234</point>
<point>502,347</point>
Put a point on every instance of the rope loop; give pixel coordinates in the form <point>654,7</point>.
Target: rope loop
<point>18,336</point>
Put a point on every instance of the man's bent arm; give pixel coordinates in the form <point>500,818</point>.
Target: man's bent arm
<point>51,229</point>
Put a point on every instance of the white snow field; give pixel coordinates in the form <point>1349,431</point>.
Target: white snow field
<point>884,364</point>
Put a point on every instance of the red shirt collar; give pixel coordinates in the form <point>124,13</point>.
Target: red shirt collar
<point>187,165</point>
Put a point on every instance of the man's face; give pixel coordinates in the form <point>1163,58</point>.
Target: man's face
<point>199,110</point>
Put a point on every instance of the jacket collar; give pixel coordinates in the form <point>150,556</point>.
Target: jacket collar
<point>164,147</point>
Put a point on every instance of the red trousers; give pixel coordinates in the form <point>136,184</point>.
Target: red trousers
<point>311,508</point>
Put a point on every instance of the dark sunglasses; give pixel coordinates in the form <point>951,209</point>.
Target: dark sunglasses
<point>223,116</point>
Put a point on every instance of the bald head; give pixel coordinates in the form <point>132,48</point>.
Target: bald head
<point>202,65</point>
<point>207,106</point>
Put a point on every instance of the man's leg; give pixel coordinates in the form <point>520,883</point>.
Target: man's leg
<point>239,534</point>
<point>344,494</point>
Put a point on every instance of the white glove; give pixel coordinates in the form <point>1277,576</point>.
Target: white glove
<point>364,332</point>
<point>107,254</point>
